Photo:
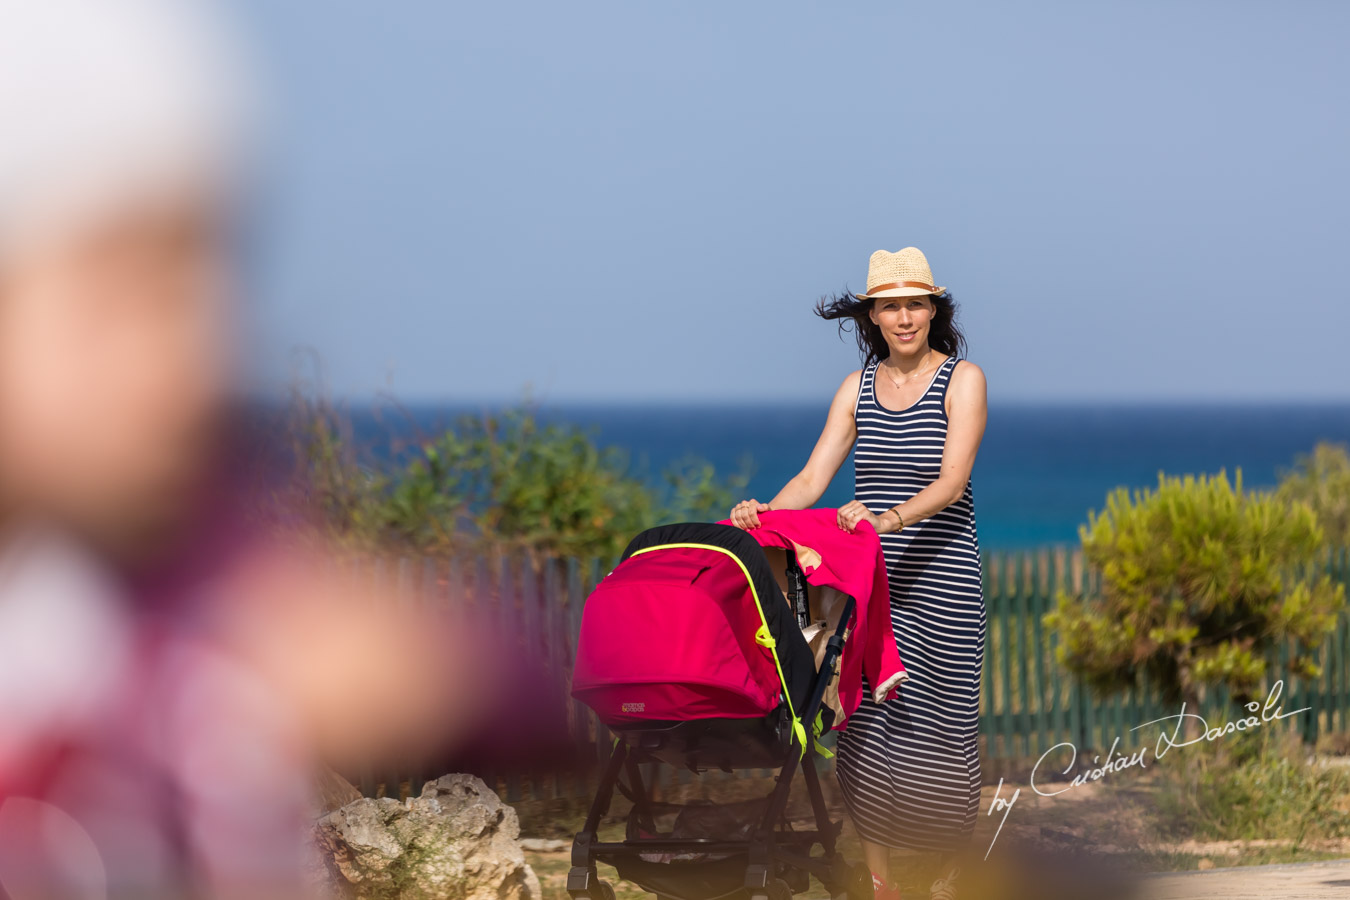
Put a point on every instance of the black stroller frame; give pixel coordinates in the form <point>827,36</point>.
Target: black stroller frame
<point>775,861</point>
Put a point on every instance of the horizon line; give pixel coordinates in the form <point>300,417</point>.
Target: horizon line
<point>1118,402</point>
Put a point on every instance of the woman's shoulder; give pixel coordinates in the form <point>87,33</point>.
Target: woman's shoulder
<point>851,380</point>
<point>965,372</point>
<point>849,389</point>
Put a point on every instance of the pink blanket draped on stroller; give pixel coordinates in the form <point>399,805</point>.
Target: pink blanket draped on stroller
<point>852,563</point>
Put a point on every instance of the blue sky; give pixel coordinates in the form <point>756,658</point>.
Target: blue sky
<point>642,201</point>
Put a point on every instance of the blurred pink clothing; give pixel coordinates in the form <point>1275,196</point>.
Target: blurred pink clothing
<point>137,754</point>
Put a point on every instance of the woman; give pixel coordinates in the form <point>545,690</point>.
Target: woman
<point>909,767</point>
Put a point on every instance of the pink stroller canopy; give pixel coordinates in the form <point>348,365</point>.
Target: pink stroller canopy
<point>690,625</point>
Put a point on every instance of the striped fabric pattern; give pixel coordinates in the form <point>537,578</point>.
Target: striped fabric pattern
<point>909,768</point>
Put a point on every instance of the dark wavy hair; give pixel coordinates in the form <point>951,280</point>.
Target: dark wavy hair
<point>944,334</point>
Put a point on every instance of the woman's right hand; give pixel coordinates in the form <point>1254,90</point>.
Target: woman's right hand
<point>746,513</point>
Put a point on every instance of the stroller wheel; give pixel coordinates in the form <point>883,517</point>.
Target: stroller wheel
<point>777,889</point>
<point>583,885</point>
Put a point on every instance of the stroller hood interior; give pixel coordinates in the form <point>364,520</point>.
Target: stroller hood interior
<point>690,625</point>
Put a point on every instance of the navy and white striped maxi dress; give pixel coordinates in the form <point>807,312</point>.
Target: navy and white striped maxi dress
<point>909,768</point>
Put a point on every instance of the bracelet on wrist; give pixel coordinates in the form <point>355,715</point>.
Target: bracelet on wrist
<point>900,522</point>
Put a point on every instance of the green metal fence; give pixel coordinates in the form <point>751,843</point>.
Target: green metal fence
<point>1028,703</point>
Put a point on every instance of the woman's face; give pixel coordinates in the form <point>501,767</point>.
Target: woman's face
<point>904,321</point>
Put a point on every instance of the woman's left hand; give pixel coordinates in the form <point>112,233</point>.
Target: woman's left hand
<point>853,512</point>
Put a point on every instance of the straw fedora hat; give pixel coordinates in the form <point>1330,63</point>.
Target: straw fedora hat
<point>904,273</point>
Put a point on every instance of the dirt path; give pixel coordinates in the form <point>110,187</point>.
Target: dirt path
<point>1327,880</point>
<point>1076,826</point>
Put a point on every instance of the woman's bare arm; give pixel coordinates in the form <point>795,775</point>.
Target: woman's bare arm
<point>832,448</point>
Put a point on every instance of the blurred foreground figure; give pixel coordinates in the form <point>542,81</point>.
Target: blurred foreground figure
<point>167,679</point>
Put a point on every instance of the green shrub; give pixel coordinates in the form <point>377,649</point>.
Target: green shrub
<point>1321,479</point>
<point>1252,785</point>
<point>1199,580</point>
<point>502,480</point>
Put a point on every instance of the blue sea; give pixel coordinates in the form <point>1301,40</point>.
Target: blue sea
<point>1039,468</point>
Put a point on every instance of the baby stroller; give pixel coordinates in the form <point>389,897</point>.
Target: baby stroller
<point>693,655</point>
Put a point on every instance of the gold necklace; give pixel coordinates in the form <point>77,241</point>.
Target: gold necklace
<point>917,372</point>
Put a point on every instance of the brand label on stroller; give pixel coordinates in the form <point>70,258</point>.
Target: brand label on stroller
<point>634,707</point>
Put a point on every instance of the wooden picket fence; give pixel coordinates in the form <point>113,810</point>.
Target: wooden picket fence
<point>1028,704</point>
